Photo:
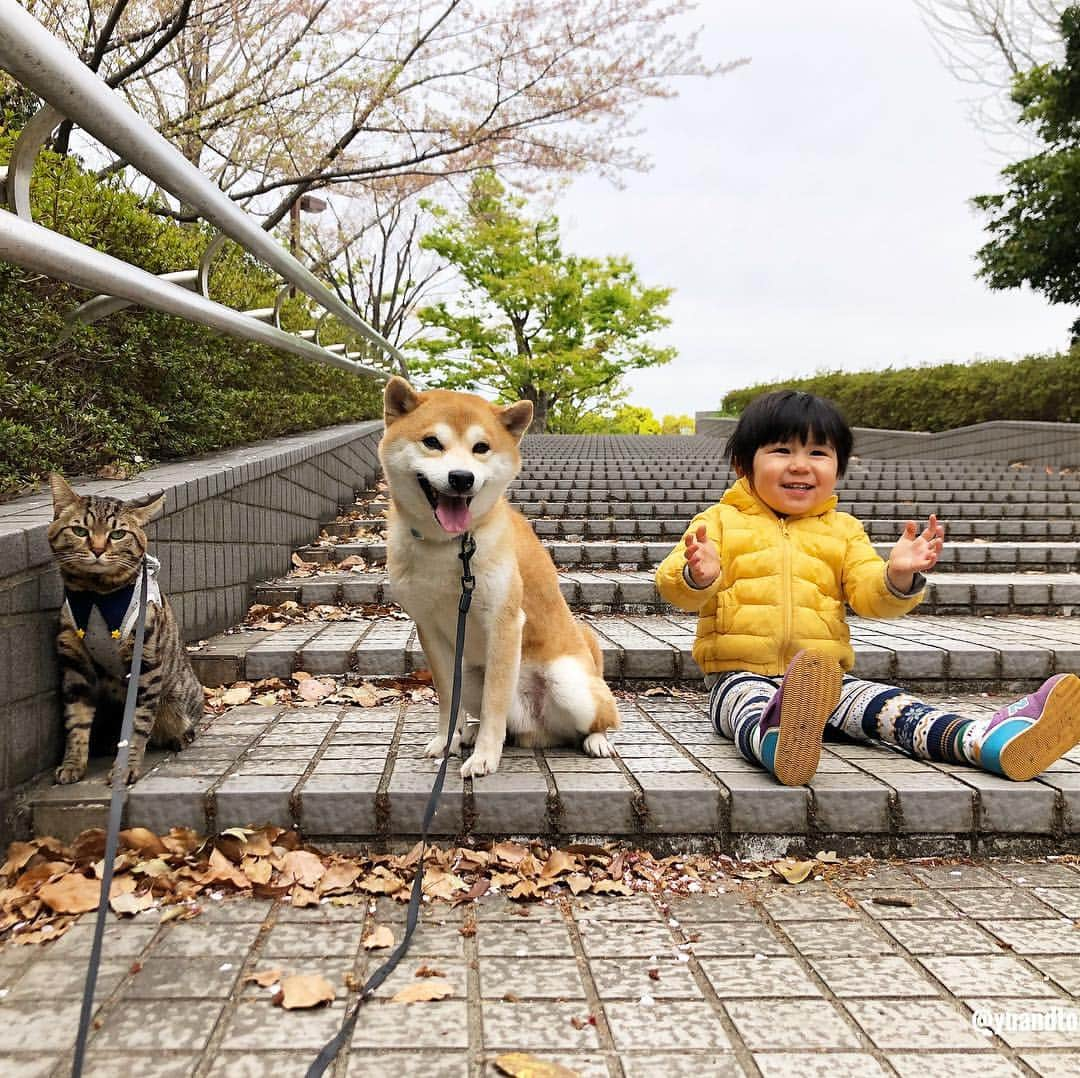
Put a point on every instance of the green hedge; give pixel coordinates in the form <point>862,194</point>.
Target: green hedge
<point>141,384</point>
<point>1045,388</point>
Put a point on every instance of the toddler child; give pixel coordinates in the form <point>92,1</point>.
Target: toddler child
<point>769,570</point>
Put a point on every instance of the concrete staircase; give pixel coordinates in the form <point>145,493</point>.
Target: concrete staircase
<point>1001,615</point>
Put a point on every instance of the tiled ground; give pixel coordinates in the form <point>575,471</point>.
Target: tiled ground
<point>909,970</point>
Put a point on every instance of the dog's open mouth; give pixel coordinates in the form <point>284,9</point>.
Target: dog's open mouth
<point>451,510</point>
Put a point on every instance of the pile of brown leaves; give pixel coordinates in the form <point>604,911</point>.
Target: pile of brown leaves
<point>45,885</point>
<point>305,690</point>
<point>273,618</point>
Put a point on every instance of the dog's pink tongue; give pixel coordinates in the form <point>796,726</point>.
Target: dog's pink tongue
<point>453,514</point>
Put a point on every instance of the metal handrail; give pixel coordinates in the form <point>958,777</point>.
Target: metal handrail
<point>43,64</point>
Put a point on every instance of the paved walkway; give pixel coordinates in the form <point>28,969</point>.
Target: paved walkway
<point>878,975</point>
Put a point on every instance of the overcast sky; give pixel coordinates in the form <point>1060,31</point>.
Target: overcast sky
<point>810,209</point>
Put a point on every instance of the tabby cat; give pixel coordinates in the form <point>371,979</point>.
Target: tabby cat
<point>100,546</point>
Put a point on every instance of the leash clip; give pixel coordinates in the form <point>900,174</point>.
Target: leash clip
<point>468,549</point>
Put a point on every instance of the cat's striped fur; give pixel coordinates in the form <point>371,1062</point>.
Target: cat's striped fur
<point>99,544</point>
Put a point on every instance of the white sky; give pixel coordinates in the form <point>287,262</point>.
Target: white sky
<point>810,209</point>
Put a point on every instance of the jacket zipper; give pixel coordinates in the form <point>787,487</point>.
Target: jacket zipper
<point>785,584</point>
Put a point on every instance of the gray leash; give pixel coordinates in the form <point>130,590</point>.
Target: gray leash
<point>116,811</point>
<point>334,1045</point>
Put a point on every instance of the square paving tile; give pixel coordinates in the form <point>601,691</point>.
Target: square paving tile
<point>735,939</point>
<point>941,937</point>
<point>1065,901</point>
<point>882,877</point>
<point>873,975</point>
<point>292,940</point>
<point>1037,937</point>
<point>907,904</point>
<point>986,975</point>
<point>956,1064</point>
<point>525,939</point>
<point>609,939</point>
<point>1052,1064</point>
<point>671,1025</point>
<point>36,1065</point>
<point>147,1026</point>
<point>178,978</point>
<point>526,1027</point>
<point>836,938</point>
<point>629,978</point>
<point>791,1025</point>
<point>822,1065</point>
<point>1030,1023</point>
<point>1038,875</point>
<point>958,876</point>
<point>753,978</point>
<point>57,978</point>
<point>192,940</point>
<point>404,1025</point>
<point>256,1024</point>
<point>728,906</point>
<point>451,971</point>
<point>258,1064</point>
<point>550,978</point>
<point>1018,902</point>
<point>111,1064</point>
<point>1064,970</point>
<point>600,908</point>
<point>806,904</point>
<point>914,1023</point>
<point>680,1065</point>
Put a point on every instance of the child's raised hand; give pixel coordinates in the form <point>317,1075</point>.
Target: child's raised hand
<point>916,552</point>
<point>702,557</point>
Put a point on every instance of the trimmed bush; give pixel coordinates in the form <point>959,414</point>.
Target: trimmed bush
<point>140,384</point>
<point>1041,388</point>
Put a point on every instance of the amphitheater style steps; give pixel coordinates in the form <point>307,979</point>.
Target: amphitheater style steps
<point>997,621</point>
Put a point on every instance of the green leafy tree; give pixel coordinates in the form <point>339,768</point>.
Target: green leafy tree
<point>1035,223</point>
<point>533,322</point>
<point>677,424</point>
<point>625,419</point>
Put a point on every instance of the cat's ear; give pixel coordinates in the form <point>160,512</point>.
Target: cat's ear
<point>145,510</point>
<point>62,494</point>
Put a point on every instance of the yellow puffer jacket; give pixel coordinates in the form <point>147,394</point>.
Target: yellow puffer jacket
<point>782,587</point>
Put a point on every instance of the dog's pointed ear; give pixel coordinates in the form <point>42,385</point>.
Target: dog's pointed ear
<point>62,493</point>
<point>517,417</point>
<point>399,399</point>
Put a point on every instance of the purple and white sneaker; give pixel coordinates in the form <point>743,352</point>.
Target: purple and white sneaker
<point>1023,739</point>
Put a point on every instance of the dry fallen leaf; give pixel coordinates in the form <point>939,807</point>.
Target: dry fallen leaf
<point>423,992</point>
<point>142,840</point>
<point>304,990</point>
<point>17,856</point>
<point>793,871</point>
<point>339,877</point>
<point>73,893</point>
<point>264,978</point>
<point>304,867</point>
<point>523,1065</point>
<point>238,694</point>
<point>129,902</point>
<point>380,937</point>
<point>312,689</point>
<point>578,883</point>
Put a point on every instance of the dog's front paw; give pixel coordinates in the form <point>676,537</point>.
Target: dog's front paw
<point>480,763</point>
<point>598,745</point>
<point>437,746</point>
<point>66,774</point>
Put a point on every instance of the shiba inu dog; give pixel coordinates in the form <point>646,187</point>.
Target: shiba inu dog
<point>529,669</point>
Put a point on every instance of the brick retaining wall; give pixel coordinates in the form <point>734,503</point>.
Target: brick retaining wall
<point>231,519</point>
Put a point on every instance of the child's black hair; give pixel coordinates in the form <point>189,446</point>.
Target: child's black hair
<point>783,414</point>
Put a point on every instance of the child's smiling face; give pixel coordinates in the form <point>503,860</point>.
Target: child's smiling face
<point>793,477</point>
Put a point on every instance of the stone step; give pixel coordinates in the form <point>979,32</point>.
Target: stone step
<point>680,504</point>
<point>350,773</point>
<point>989,530</point>
<point>712,486</point>
<point>930,652</point>
<point>981,557</point>
<point>634,591</point>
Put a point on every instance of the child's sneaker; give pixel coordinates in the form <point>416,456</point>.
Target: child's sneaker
<point>1025,738</point>
<point>794,719</point>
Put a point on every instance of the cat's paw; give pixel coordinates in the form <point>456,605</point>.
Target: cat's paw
<point>132,774</point>
<point>69,773</point>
